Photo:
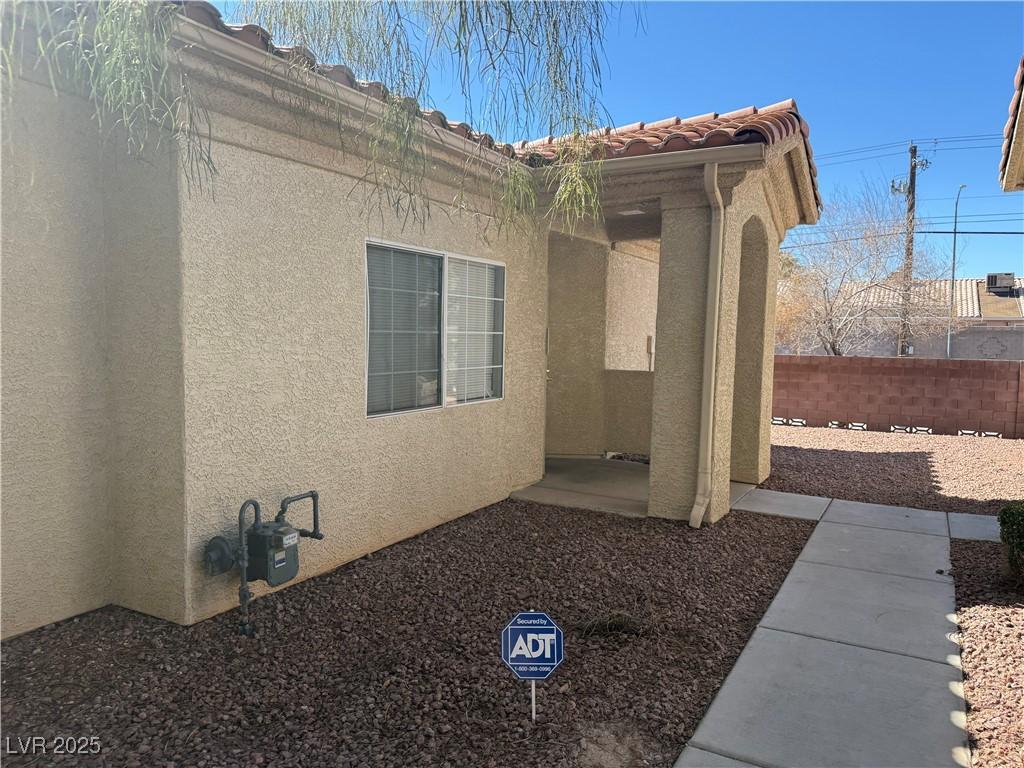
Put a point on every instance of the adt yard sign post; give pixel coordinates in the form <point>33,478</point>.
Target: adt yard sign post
<point>532,647</point>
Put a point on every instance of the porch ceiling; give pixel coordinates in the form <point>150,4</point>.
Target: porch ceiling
<point>639,222</point>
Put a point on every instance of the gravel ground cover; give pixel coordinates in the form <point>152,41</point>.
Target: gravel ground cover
<point>393,660</point>
<point>990,612</point>
<point>942,472</point>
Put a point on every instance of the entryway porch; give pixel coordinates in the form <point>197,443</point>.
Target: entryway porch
<point>603,485</point>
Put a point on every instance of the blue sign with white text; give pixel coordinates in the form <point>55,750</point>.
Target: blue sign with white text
<point>532,646</point>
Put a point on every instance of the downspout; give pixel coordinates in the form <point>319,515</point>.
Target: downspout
<point>705,455</point>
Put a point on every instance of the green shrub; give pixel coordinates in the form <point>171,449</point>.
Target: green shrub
<point>1011,531</point>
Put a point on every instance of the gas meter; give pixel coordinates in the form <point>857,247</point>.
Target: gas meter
<point>266,551</point>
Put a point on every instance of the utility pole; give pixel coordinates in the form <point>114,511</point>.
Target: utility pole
<point>907,273</point>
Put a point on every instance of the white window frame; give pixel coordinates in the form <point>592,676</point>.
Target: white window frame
<point>444,326</point>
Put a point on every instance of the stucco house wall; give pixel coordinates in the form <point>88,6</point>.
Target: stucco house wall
<point>274,313</point>
<point>754,211</point>
<point>169,352</point>
<point>172,350</point>
<point>92,399</point>
<point>632,310</point>
<point>577,285</point>
<point>146,468</point>
<point>746,352</point>
<point>55,440</point>
<point>628,411</point>
<point>603,304</point>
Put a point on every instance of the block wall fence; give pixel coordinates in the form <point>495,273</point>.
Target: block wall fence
<point>883,392</point>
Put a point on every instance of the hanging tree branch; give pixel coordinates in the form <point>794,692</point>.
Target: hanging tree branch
<point>521,68</point>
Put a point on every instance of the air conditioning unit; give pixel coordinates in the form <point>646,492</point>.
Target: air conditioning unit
<point>999,282</point>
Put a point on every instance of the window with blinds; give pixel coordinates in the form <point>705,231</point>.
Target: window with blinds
<point>410,296</point>
<point>404,344</point>
<point>474,331</point>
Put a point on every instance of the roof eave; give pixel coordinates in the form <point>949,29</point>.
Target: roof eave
<point>227,49</point>
<point>659,161</point>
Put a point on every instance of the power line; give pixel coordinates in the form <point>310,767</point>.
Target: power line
<point>1004,196</point>
<point>860,159</point>
<point>972,220</point>
<point>923,220</point>
<point>953,149</point>
<point>798,246</point>
<point>900,154</point>
<point>873,147</point>
<point>977,215</point>
<point>976,137</point>
<point>967,232</point>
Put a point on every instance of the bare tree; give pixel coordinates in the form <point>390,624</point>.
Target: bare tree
<point>843,293</point>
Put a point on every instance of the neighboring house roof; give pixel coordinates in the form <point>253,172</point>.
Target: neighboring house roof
<point>767,125</point>
<point>1011,165</point>
<point>971,299</point>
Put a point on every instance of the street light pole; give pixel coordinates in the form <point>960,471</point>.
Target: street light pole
<point>952,278</point>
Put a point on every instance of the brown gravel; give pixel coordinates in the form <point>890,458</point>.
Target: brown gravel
<point>990,611</point>
<point>947,473</point>
<point>394,659</point>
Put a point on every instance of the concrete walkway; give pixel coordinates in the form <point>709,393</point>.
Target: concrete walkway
<point>855,662</point>
<point>956,525</point>
<point>622,487</point>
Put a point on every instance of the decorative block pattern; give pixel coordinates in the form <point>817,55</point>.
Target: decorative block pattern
<point>947,397</point>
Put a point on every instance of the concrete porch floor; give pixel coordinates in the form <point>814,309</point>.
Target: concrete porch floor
<point>603,485</point>
<point>599,484</point>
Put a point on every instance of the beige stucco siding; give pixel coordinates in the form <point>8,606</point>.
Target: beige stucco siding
<point>146,469</point>
<point>676,398</point>
<point>56,526</point>
<point>632,311</point>
<point>274,370</point>
<point>92,400</point>
<point>576,301</point>
<point>628,396</point>
<point>745,356</point>
<point>602,305</point>
<point>169,352</point>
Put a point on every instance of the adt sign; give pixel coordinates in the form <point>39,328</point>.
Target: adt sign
<point>532,646</point>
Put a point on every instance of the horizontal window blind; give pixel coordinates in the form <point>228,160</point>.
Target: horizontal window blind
<point>475,331</point>
<point>404,344</point>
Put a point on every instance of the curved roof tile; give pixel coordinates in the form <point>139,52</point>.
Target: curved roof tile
<point>1011,122</point>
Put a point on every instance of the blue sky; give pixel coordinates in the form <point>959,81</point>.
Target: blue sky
<point>863,74</point>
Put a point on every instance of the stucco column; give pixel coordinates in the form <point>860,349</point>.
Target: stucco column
<point>676,408</point>
<point>755,354</point>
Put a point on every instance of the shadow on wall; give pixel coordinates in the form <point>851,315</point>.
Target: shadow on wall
<point>900,478</point>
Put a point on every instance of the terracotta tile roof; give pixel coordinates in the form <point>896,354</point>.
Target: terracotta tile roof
<point>765,125</point>
<point>1011,122</point>
<point>750,125</point>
